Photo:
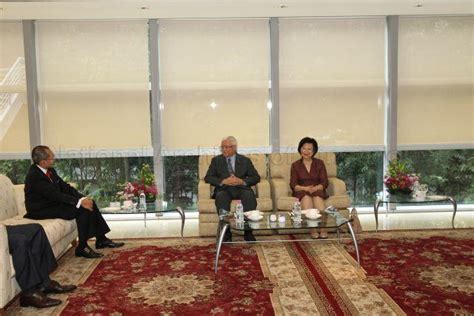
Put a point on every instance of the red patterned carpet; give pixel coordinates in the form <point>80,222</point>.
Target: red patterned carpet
<point>176,277</point>
<point>150,280</point>
<point>179,280</point>
<point>425,273</point>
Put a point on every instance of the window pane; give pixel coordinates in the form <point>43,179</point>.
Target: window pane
<point>181,174</point>
<point>436,90</point>
<point>15,170</point>
<point>214,78</point>
<point>446,172</point>
<point>332,81</point>
<point>94,84</point>
<point>102,178</point>
<point>14,135</point>
<point>363,173</point>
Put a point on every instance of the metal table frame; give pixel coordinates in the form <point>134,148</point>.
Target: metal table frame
<point>224,225</point>
<point>178,209</point>
<point>387,201</point>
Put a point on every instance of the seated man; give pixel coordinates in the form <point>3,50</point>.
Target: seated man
<point>33,260</point>
<point>48,196</point>
<point>232,175</point>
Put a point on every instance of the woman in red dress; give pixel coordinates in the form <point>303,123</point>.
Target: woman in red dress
<point>309,180</point>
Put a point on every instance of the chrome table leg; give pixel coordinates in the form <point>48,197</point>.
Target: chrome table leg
<point>219,245</point>
<point>354,240</point>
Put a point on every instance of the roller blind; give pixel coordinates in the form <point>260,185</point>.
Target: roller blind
<point>214,80</point>
<point>436,80</point>
<point>93,83</point>
<point>14,135</point>
<point>332,81</point>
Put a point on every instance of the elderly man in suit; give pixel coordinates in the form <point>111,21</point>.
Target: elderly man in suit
<point>33,260</point>
<point>233,175</point>
<point>48,196</point>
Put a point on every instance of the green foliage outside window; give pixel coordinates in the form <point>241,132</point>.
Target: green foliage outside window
<point>362,172</point>
<point>449,172</point>
<point>446,172</point>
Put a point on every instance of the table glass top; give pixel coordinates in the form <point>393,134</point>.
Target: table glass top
<point>327,220</point>
<point>408,198</point>
<point>157,207</point>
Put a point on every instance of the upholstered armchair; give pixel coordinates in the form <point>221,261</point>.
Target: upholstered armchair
<point>206,206</point>
<point>280,165</point>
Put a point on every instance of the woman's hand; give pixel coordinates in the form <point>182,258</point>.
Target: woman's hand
<point>315,188</point>
<point>303,188</point>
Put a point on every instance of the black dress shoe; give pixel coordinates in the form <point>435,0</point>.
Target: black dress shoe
<point>248,236</point>
<point>108,244</point>
<point>38,299</point>
<point>55,287</point>
<point>87,252</point>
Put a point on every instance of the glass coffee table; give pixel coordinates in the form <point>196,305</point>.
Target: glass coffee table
<point>151,208</point>
<point>408,199</point>
<point>329,220</point>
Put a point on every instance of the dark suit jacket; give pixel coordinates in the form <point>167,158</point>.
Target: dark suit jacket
<point>218,171</point>
<point>42,194</point>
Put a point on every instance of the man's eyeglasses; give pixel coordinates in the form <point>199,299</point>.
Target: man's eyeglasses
<point>227,147</point>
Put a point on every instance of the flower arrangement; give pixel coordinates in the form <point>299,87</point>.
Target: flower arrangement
<point>146,184</point>
<point>399,178</point>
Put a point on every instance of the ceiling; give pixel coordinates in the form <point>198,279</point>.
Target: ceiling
<point>135,9</point>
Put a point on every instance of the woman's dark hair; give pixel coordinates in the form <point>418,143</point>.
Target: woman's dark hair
<point>308,140</point>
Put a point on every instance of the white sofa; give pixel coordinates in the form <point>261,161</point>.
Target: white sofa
<point>61,234</point>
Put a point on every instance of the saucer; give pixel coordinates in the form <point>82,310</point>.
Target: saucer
<point>255,219</point>
<point>111,209</point>
<point>252,213</point>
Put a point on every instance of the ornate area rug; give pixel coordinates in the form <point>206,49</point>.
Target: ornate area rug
<point>425,272</point>
<point>176,277</point>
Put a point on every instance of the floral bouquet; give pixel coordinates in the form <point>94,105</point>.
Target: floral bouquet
<point>400,178</point>
<point>146,184</point>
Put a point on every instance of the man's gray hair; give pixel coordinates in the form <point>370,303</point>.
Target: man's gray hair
<point>39,153</point>
<point>232,139</point>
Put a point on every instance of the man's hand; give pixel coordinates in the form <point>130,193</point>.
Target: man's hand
<point>87,204</point>
<point>233,181</point>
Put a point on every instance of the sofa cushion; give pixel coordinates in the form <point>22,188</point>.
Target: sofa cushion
<point>8,204</point>
<point>20,198</point>
<point>55,229</point>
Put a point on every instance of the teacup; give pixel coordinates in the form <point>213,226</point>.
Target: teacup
<point>115,204</point>
<point>255,217</point>
<point>128,204</point>
<point>312,213</point>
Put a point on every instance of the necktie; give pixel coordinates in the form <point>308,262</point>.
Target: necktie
<point>229,166</point>
<point>49,175</point>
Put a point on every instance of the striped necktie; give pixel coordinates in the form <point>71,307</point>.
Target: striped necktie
<point>49,174</point>
<point>229,166</point>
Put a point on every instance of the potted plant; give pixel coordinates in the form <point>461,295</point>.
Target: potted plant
<point>400,178</point>
<point>145,184</point>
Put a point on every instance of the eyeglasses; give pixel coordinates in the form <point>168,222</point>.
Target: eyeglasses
<point>227,147</point>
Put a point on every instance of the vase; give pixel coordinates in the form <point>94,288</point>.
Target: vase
<point>150,200</point>
<point>403,192</point>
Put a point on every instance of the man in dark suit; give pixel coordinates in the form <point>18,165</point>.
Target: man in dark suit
<point>233,175</point>
<point>48,196</point>
<point>33,260</point>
